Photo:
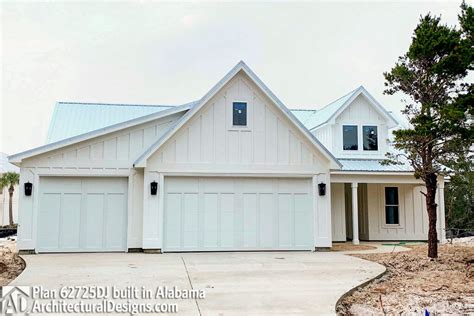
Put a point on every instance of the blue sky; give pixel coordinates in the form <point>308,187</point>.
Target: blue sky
<point>150,52</point>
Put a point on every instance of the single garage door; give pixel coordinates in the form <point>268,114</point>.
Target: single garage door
<point>82,214</point>
<point>229,214</point>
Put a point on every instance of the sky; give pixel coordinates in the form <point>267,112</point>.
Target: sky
<point>150,52</point>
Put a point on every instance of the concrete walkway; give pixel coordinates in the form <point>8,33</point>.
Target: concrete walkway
<point>265,283</point>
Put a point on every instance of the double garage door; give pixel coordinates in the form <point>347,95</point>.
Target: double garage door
<point>219,214</point>
<point>82,214</point>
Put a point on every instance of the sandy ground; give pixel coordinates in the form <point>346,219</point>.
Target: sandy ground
<point>414,283</point>
<point>11,265</point>
<point>348,246</point>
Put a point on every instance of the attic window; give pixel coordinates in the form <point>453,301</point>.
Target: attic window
<point>370,138</point>
<point>349,137</point>
<point>239,114</point>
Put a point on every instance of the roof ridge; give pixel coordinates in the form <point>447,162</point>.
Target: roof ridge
<point>117,104</point>
<point>345,95</point>
<point>302,109</point>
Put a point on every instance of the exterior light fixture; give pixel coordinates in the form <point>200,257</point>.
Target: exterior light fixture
<point>153,188</point>
<point>322,188</point>
<point>28,188</point>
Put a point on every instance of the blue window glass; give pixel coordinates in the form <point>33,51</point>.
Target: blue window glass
<point>239,110</point>
<point>391,206</point>
<point>370,138</point>
<point>349,137</point>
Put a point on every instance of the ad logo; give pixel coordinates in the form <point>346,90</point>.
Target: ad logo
<point>14,299</point>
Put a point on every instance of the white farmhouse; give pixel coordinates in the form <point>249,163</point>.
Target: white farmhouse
<point>235,170</point>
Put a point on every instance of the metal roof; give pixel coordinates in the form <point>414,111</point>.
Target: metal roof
<point>373,165</point>
<point>72,118</point>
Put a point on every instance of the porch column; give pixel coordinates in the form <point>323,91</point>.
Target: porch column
<point>442,219</point>
<point>355,215</point>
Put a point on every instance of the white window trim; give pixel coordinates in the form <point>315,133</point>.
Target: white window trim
<point>400,211</point>
<point>342,138</point>
<point>362,138</point>
<point>230,115</point>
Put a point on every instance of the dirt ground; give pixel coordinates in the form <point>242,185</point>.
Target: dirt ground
<point>414,283</point>
<point>11,265</point>
<point>348,246</point>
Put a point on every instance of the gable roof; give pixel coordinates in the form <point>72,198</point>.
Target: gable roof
<point>73,118</point>
<point>17,158</point>
<point>333,109</point>
<point>241,66</point>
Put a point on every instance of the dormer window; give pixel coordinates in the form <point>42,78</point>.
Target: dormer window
<point>239,114</point>
<point>349,137</point>
<point>369,133</point>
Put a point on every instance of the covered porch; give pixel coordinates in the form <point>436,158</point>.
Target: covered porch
<point>381,206</point>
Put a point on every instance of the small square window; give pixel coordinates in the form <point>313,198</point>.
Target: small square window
<point>392,216</point>
<point>239,114</point>
<point>370,138</point>
<point>349,137</point>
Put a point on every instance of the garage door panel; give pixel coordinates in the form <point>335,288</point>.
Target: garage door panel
<point>303,220</point>
<point>227,220</point>
<point>285,220</point>
<point>48,237</point>
<point>82,214</point>
<point>267,221</point>
<point>114,225</point>
<point>94,221</point>
<point>190,221</point>
<point>250,220</point>
<point>70,221</point>
<point>211,221</point>
<point>240,214</point>
<point>173,220</point>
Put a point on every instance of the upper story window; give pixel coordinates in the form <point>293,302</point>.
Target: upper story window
<point>369,134</point>
<point>239,114</point>
<point>391,206</point>
<point>349,137</point>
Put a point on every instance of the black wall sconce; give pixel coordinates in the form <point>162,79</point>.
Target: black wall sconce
<point>153,188</point>
<point>322,188</point>
<point>28,188</point>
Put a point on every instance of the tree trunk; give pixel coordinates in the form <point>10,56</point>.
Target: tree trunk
<point>431,206</point>
<point>10,205</point>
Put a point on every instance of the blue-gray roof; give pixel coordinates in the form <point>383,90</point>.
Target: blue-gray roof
<point>73,118</point>
<point>373,165</point>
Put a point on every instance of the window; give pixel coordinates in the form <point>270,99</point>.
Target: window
<point>391,206</point>
<point>349,137</point>
<point>239,114</point>
<point>370,138</point>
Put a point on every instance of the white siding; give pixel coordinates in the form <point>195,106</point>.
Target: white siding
<point>360,113</point>
<point>338,215</point>
<point>412,213</point>
<point>109,155</point>
<point>209,145</point>
<point>209,142</point>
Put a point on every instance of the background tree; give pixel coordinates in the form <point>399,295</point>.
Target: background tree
<point>9,180</point>
<point>460,196</point>
<point>433,74</point>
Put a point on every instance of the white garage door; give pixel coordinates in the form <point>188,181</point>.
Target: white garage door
<point>82,214</point>
<point>218,214</point>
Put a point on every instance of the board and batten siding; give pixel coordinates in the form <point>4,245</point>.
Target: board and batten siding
<point>412,213</point>
<point>209,145</point>
<point>360,112</point>
<point>108,155</point>
<point>338,216</point>
<point>209,142</point>
<point>371,205</point>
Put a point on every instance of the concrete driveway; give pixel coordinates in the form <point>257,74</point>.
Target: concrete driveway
<point>265,283</point>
